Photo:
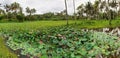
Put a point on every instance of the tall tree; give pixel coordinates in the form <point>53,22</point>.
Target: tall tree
<point>15,7</point>
<point>74,11</point>
<point>119,9</point>
<point>96,9</point>
<point>81,10</point>
<point>7,9</point>
<point>89,10</point>
<point>66,10</point>
<point>2,11</point>
<point>33,11</point>
<point>30,11</point>
<point>113,4</point>
<point>20,10</point>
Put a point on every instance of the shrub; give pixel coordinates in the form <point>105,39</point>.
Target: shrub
<point>20,18</point>
<point>2,17</point>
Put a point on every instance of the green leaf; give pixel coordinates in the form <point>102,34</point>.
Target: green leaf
<point>72,55</point>
<point>44,56</point>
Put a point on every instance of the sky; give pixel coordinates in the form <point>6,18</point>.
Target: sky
<point>44,6</point>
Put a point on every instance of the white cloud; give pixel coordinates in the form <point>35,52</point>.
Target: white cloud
<point>43,6</point>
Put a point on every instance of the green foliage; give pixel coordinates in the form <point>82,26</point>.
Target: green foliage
<point>97,10</point>
<point>64,42</point>
<point>2,17</point>
<point>20,18</point>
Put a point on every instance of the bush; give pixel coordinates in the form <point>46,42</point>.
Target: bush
<point>2,17</point>
<point>20,18</point>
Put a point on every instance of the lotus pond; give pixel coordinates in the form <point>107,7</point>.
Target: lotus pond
<point>62,42</point>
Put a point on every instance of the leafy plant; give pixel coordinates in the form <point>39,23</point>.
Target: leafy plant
<point>62,42</point>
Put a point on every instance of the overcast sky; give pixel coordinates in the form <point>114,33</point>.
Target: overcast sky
<point>43,6</point>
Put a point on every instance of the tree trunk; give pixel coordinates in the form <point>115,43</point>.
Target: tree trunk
<point>15,14</point>
<point>119,9</point>
<point>66,11</point>
<point>74,11</point>
<point>30,16</point>
<point>7,16</point>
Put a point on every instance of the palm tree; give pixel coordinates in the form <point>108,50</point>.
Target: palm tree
<point>96,9</point>
<point>20,15</point>
<point>109,11</point>
<point>102,5</point>
<point>74,11</point>
<point>7,9</point>
<point>15,6</point>
<point>80,10</point>
<point>119,9</point>
<point>66,11</point>
<point>30,11</point>
<point>20,10</point>
<point>89,10</point>
<point>33,10</point>
<point>2,11</point>
<point>113,4</point>
<point>27,10</point>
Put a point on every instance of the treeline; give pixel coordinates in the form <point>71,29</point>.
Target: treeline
<point>14,12</point>
<point>100,9</point>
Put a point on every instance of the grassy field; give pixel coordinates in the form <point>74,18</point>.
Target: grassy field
<point>45,24</point>
<point>4,51</point>
<point>32,25</point>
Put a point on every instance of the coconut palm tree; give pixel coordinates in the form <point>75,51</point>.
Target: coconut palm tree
<point>89,10</point>
<point>15,7</point>
<point>27,10</point>
<point>74,11</point>
<point>33,11</point>
<point>30,11</point>
<point>20,10</point>
<point>119,9</point>
<point>80,10</point>
<point>2,11</point>
<point>7,9</point>
<point>102,5</point>
<point>20,15</point>
<point>96,9</point>
<point>113,4</point>
<point>65,1</point>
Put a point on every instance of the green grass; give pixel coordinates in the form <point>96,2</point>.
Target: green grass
<point>45,24</point>
<point>91,24</point>
<point>31,25</point>
<point>4,51</point>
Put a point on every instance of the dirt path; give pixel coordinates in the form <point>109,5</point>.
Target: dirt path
<point>4,51</point>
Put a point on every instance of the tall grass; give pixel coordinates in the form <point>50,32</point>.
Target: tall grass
<point>4,51</point>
